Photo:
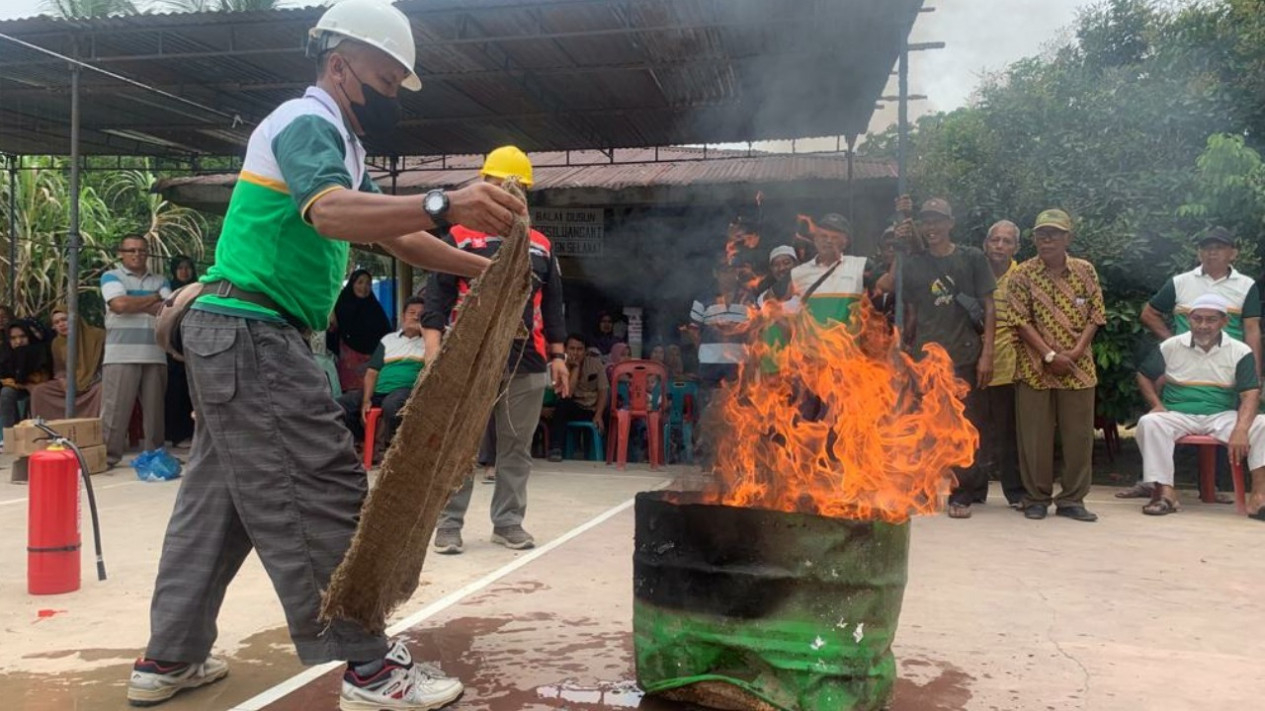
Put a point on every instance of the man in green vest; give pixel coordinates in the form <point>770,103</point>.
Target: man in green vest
<point>272,468</point>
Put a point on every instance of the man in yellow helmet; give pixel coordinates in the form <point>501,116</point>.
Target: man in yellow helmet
<point>534,361</point>
<point>272,467</point>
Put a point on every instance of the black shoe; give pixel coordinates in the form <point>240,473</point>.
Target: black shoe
<point>1076,512</point>
<point>1036,512</point>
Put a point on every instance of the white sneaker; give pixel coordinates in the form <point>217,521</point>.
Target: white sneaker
<point>400,685</point>
<point>152,684</point>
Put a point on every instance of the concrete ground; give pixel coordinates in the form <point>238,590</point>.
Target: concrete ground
<point>1000,613</point>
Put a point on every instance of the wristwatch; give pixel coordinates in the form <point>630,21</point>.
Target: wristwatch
<point>1049,357</point>
<point>557,356</point>
<point>435,203</point>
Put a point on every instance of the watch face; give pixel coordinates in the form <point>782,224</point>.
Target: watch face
<point>434,202</point>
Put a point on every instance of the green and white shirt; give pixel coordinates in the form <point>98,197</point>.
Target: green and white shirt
<point>399,360</point>
<point>300,152</point>
<point>833,299</point>
<point>1237,288</point>
<point>1199,382</point>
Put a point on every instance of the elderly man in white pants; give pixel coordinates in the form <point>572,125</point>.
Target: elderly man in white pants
<point>1201,383</point>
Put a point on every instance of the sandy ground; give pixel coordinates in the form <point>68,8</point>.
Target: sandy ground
<point>1000,613</point>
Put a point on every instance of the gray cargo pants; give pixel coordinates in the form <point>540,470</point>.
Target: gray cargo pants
<point>517,412</point>
<point>272,468</point>
<point>121,384</point>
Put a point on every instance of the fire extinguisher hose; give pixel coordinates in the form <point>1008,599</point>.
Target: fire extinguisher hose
<point>87,485</point>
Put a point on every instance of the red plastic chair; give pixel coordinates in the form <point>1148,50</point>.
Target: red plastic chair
<point>371,435</point>
<point>1208,471</point>
<point>638,373</point>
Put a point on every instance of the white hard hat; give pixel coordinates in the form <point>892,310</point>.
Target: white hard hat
<point>377,23</point>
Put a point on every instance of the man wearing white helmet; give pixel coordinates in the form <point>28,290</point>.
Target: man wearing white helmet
<point>272,468</point>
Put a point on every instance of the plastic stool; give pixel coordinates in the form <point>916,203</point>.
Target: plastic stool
<point>595,439</point>
<point>1208,471</point>
<point>371,435</point>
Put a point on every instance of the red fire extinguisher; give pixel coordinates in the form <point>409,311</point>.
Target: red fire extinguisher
<point>53,524</point>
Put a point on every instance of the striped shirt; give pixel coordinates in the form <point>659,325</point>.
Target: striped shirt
<point>129,338</point>
<point>716,316</point>
<point>1199,382</point>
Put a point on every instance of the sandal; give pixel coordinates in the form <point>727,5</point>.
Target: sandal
<point>1161,507</point>
<point>1137,491</point>
<point>959,510</point>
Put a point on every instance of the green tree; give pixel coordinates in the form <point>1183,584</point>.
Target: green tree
<point>111,205</point>
<point>1144,127</point>
<point>81,9</point>
<point>220,5</point>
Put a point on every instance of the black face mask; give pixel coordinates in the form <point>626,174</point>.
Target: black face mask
<point>379,114</point>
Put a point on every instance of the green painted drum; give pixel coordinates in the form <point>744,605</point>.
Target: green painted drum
<point>755,609</point>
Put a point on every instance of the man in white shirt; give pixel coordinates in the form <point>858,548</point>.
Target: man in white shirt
<point>134,364</point>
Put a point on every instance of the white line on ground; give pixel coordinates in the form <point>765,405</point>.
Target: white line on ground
<point>94,490</point>
<point>276,693</point>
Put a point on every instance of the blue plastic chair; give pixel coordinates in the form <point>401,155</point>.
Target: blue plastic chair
<point>677,393</point>
<point>595,439</point>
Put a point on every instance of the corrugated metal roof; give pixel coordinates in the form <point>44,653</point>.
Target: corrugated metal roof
<point>634,169</point>
<point>547,74</point>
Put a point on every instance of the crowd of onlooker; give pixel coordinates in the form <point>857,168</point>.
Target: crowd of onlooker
<point>119,371</point>
<point>1020,335</point>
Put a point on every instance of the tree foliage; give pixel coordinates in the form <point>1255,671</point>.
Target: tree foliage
<point>111,204</point>
<point>1146,126</point>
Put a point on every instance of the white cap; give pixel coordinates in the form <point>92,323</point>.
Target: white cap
<point>377,23</point>
<point>1211,302</point>
<point>783,251</point>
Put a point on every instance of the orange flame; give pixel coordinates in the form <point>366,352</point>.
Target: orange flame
<point>892,427</point>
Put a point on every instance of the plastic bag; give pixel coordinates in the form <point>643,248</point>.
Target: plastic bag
<point>156,465</point>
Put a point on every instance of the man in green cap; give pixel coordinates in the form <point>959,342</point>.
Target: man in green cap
<point>1056,308</point>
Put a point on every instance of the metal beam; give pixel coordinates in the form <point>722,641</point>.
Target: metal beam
<point>429,43</point>
<point>13,231</point>
<point>73,245</point>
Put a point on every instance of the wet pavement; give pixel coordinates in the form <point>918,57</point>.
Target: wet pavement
<point>1000,614</point>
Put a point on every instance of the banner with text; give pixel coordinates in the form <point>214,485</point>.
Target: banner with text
<point>574,231</point>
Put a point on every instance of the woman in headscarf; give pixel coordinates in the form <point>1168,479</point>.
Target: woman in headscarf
<point>358,324</point>
<point>24,363</point>
<point>178,404</point>
<point>48,400</point>
<point>183,271</point>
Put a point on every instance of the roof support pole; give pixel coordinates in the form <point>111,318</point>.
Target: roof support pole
<point>73,245</point>
<point>902,142</point>
<point>13,232</point>
<point>852,194</point>
<point>403,270</point>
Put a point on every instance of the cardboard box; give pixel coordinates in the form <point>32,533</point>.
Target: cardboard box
<point>94,457</point>
<point>25,438</point>
<point>19,475</point>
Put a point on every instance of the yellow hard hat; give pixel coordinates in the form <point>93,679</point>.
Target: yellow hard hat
<point>508,161</point>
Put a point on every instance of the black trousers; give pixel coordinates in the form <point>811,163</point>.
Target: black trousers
<point>972,486</point>
<point>999,443</point>
<point>391,404</point>
<point>565,411</point>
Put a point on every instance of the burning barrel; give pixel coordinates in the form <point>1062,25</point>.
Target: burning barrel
<point>753,609</point>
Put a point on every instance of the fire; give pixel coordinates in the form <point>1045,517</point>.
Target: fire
<point>892,430</point>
